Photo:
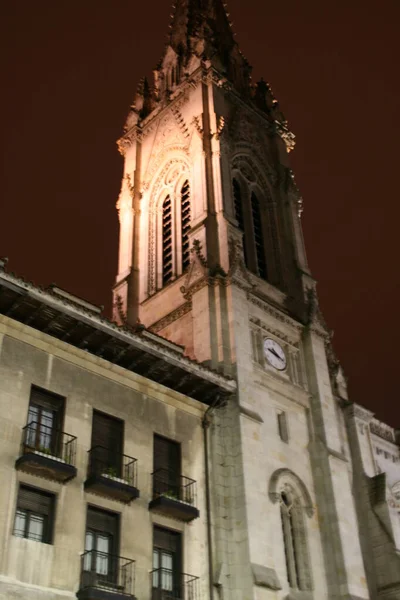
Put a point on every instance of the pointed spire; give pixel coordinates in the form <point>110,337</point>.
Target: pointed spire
<point>205,20</point>
<point>201,28</point>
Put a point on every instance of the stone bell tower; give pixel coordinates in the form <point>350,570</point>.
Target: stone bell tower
<point>211,257</point>
<point>186,232</point>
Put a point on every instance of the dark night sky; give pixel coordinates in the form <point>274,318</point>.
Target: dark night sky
<point>69,70</point>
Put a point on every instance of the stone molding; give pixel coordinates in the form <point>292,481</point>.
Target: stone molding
<point>359,412</point>
<point>251,414</point>
<point>275,483</point>
<point>176,314</point>
<point>279,316</point>
<point>265,577</point>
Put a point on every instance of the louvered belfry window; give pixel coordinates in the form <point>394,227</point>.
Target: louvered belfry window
<point>185,219</point>
<point>258,237</point>
<point>238,203</point>
<point>167,271</point>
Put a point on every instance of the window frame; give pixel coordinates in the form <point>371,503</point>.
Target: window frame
<point>177,558</point>
<point>113,534</point>
<point>22,505</point>
<point>45,400</point>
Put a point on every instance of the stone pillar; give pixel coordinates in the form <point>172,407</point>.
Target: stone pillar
<point>337,516</point>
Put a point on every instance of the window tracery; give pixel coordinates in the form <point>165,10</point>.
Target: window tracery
<point>170,216</point>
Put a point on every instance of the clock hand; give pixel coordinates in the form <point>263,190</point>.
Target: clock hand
<point>273,352</point>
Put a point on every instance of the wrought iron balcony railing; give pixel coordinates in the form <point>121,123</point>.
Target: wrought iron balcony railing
<point>48,441</point>
<point>172,485</point>
<point>174,495</point>
<point>112,474</point>
<point>168,585</point>
<point>47,451</point>
<point>107,463</point>
<point>102,574</point>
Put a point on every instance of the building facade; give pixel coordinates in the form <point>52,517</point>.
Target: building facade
<point>102,466</point>
<point>210,426</point>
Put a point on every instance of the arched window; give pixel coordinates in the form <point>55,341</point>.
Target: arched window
<point>167,265</point>
<point>185,221</point>
<point>238,205</point>
<point>290,538</point>
<point>261,263</point>
<point>294,503</point>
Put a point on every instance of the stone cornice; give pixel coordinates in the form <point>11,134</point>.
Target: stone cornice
<point>359,412</point>
<point>274,312</point>
<point>139,338</point>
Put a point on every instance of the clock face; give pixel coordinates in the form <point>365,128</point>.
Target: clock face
<point>274,354</point>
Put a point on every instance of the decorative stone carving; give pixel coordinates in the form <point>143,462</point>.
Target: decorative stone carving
<point>197,125</point>
<point>220,127</point>
<point>316,321</point>
<point>197,276</point>
<point>180,121</point>
<point>382,430</point>
<point>288,137</point>
<point>3,263</point>
<point>174,170</point>
<point>396,491</point>
<point>237,269</point>
<point>171,317</point>
<point>285,479</point>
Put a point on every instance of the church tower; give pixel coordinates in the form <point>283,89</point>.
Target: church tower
<point>211,257</point>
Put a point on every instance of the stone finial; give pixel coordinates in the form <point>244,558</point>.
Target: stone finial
<point>3,263</point>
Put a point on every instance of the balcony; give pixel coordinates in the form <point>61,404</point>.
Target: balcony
<point>112,475</point>
<point>47,452</point>
<point>167,585</point>
<point>106,577</point>
<point>174,496</point>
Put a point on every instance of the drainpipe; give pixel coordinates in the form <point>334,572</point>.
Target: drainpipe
<point>206,422</point>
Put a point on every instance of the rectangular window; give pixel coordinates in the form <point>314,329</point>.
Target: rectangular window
<point>102,544</point>
<point>45,421</point>
<point>167,467</point>
<point>107,444</point>
<point>34,515</point>
<point>282,427</point>
<point>167,563</point>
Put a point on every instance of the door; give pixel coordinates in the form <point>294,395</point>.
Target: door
<point>167,468</point>
<point>101,546</point>
<point>167,565</point>
<point>45,418</point>
<point>107,444</point>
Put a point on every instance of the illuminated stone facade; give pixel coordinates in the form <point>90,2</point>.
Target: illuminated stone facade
<point>206,128</point>
<point>218,347</point>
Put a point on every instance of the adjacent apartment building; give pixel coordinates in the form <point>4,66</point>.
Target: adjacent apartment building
<point>102,463</point>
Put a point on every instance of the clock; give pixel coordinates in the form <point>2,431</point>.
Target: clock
<point>274,354</point>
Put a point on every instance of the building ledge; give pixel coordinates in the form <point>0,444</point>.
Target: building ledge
<point>173,508</point>
<point>111,487</point>
<point>45,466</point>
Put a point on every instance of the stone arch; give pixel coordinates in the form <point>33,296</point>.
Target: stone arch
<point>294,500</point>
<point>284,477</point>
